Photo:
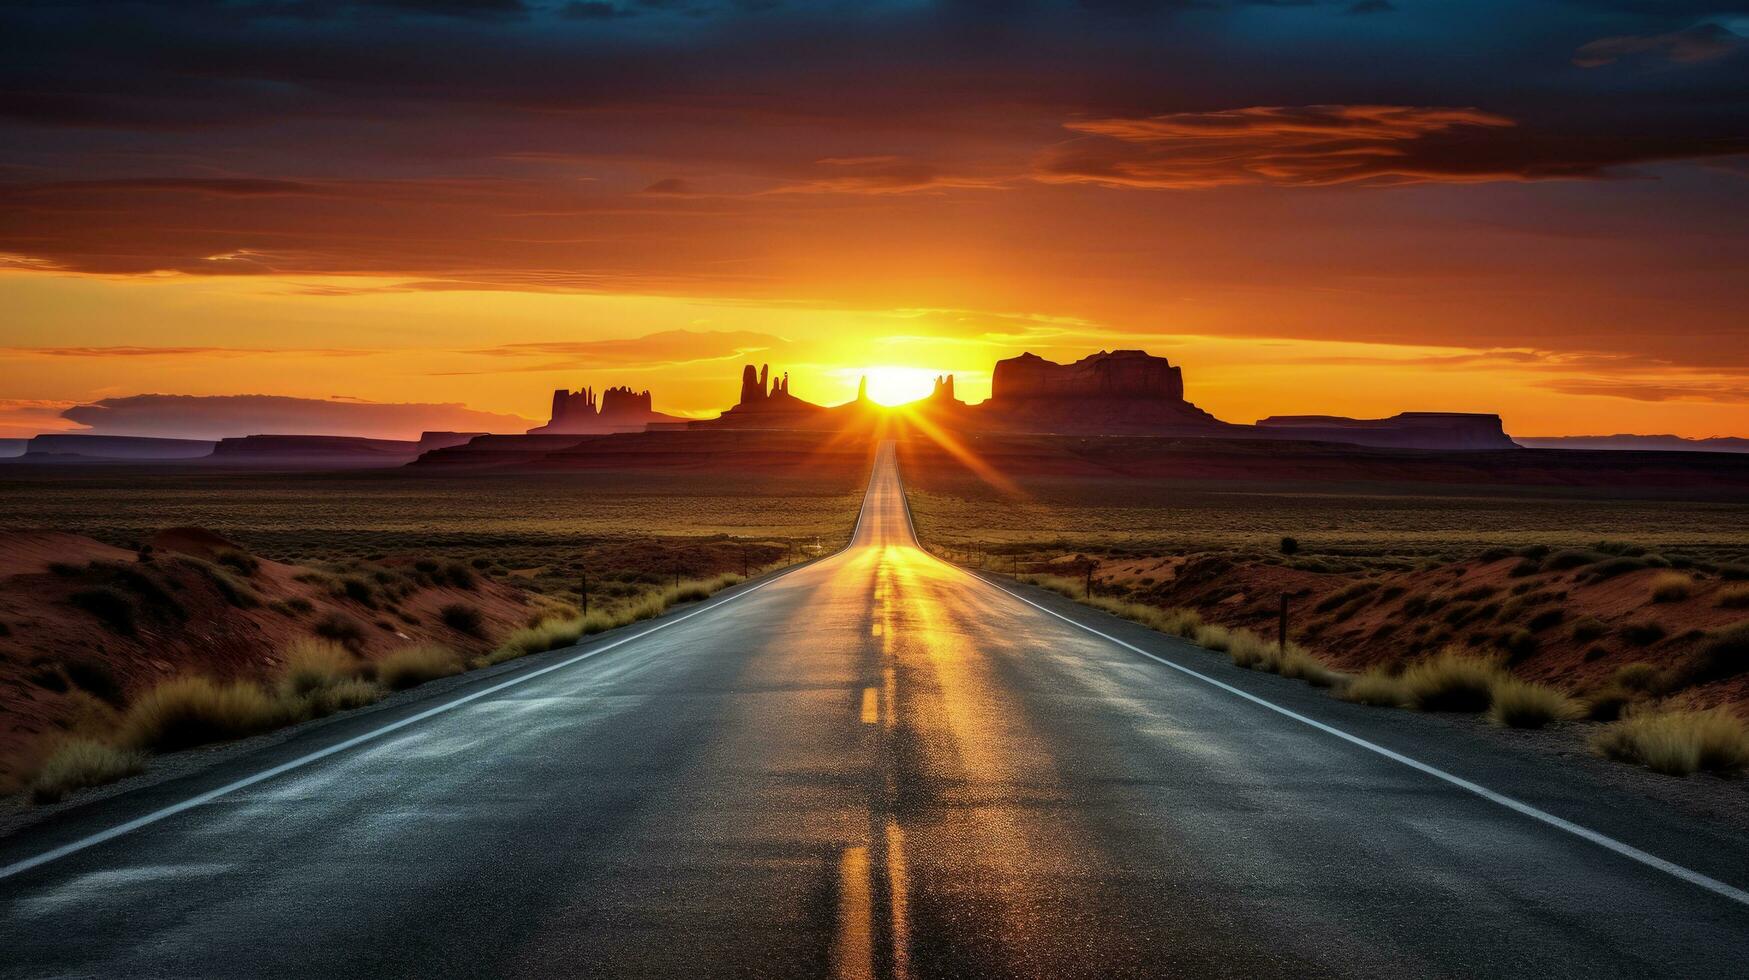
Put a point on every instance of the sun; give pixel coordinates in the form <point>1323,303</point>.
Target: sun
<point>888,385</point>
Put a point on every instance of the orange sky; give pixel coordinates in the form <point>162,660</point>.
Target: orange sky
<point>1313,208</point>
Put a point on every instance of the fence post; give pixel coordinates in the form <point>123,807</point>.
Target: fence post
<point>584,589</point>
<point>1281,642</point>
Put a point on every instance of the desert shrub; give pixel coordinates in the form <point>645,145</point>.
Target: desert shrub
<point>1525,567</point>
<point>1608,703</point>
<point>1289,545</point>
<point>1519,645</point>
<point>459,575</point>
<point>344,696</point>
<point>1376,687</point>
<point>1733,597</point>
<point>427,566</point>
<point>1571,558</point>
<point>64,569</point>
<point>78,763</point>
<point>416,664</point>
<point>312,665</point>
<point>1677,743</point>
<point>1619,548</point>
<point>1494,555</point>
<point>340,628</point>
<point>1604,571</point>
<point>1588,628</point>
<point>1642,634</point>
<point>1734,572</point>
<point>1247,649</point>
<point>94,677</point>
<point>463,618</point>
<point>1671,587</point>
<point>1451,680</point>
<point>1535,551</point>
<point>1721,655</point>
<point>1545,619</point>
<point>112,607</point>
<point>1522,704</point>
<point>1637,676</point>
<point>245,563</point>
<point>190,711</point>
<point>359,590</point>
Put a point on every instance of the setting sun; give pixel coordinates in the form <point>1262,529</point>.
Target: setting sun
<point>897,385</point>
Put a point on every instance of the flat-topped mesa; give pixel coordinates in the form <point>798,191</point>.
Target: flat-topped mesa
<point>1405,430</point>
<point>1125,392</point>
<point>622,402</point>
<point>1114,374</point>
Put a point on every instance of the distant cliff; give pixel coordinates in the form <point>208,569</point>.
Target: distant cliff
<point>1659,443</point>
<point>74,446</point>
<point>1406,430</point>
<point>1123,392</point>
<point>620,409</point>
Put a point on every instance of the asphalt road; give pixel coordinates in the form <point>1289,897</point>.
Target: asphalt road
<point>876,765</point>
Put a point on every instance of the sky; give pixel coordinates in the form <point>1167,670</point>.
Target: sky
<point>1538,208</point>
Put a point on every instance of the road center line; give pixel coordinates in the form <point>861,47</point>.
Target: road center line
<point>1713,885</point>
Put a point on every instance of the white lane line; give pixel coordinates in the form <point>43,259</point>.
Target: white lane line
<point>353,742</point>
<point>1713,885</point>
<point>130,826</point>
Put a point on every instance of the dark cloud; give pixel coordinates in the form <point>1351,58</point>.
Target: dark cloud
<point>1703,42</point>
<point>1321,145</point>
<point>1655,391</point>
<point>222,416</point>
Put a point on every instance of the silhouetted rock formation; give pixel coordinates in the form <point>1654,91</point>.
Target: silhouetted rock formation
<point>430,441</point>
<point>620,409</point>
<point>314,450</point>
<point>74,447</point>
<point>1108,393</point>
<point>1633,443</point>
<point>1407,430</point>
<point>767,404</point>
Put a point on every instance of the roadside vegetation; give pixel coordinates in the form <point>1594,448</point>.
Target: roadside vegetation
<point>1642,711</point>
<point>114,736</point>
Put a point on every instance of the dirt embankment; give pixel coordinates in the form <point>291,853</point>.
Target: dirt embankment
<point>86,627</point>
<point>1573,618</point>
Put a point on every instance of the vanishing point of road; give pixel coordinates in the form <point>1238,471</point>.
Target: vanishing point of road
<point>875,765</point>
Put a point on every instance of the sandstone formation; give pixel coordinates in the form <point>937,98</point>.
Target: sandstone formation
<point>620,409</point>
<point>75,447</point>
<point>1406,430</point>
<point>1124,392</point>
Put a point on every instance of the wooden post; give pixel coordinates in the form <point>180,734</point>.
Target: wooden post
<point>1089,594</point>
<point>584,589</point>
<point>1281,642</point>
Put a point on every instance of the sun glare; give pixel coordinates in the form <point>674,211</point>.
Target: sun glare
<point>898,385</point>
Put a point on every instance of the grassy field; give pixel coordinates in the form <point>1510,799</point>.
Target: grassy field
<point>542,531</point>
<point>1137,517</point>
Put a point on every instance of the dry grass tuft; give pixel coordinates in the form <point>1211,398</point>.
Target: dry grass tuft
<point>190,711</point>
<point>1452,680</point>
<point>1671,587</point>
<point>78,763</point>
<point>1522,704</point>
<point>1733,597</point>
<point>417,664</point>
<point>314,665</point>
<point>1376,687</point>
<point>1677,743</point>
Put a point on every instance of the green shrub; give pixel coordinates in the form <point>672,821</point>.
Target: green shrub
<point>1289,545</point>
<point>460,576</point>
